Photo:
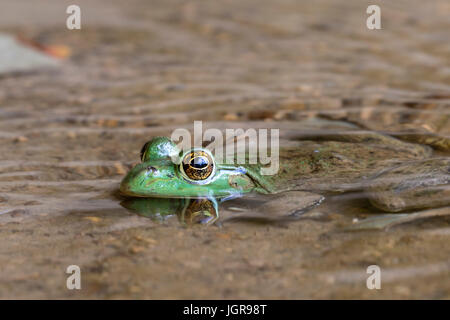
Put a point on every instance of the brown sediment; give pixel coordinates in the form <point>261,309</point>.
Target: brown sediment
<point>142,69</point>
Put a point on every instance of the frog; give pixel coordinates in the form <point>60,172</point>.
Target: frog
<point>197,175</point>
<point>319,165</point>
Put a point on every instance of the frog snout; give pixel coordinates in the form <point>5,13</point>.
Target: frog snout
<point>126,185</point>
<point>133,178</point>
<point>137,180</point>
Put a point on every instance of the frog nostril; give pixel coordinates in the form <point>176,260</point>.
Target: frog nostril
<point>151,169</point>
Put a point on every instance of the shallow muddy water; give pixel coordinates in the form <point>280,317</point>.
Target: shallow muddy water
<point>69,134</point>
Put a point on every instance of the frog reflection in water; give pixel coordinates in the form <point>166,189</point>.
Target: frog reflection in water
<point>420,183</point>
<point>189,211</point>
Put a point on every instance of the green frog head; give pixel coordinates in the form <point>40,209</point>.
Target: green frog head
<point>168,172</point>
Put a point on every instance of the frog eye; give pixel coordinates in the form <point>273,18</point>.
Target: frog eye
<point>197,166</point>
<point>159,148</point>
<point>144,149</point>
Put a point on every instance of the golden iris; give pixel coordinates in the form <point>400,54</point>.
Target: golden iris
<point>197,165</point>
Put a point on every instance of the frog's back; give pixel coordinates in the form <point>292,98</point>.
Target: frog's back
<point>334,163</point>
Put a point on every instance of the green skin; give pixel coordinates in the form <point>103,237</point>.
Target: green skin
<point>158,176</point>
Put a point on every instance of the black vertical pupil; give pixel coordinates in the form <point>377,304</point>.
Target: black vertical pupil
<point>199,162</point>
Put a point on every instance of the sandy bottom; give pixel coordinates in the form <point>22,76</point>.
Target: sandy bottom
<point>69,134</point>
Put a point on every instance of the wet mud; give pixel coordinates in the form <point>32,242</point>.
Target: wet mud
<point>68,135</point>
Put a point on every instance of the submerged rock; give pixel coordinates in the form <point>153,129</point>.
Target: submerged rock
<point>15,57</point>
<point>414,185</point>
